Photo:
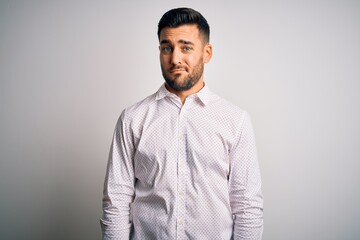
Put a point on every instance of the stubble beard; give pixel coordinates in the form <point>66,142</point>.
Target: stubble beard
<point>189,81</point>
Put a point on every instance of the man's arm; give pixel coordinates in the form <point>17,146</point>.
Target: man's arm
<point>245,185</point>
<point>119,185</point>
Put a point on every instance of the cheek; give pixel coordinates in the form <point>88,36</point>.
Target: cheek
<point>189,60</point>
<point>162,60</point>
<point>192,61</point>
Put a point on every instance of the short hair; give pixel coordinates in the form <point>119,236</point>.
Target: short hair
<point>181,16</point>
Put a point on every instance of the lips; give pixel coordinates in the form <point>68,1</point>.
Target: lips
<point>175,70</point>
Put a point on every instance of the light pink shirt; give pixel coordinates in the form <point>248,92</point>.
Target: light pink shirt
<point>183,171</point>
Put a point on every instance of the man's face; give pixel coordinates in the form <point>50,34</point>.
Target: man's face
<point>183,53</point>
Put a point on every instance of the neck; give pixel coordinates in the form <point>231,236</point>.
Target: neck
<point>183,94</point>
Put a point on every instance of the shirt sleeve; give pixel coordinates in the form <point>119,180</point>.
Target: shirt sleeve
<point>119,185</point>
<point>246,199</point>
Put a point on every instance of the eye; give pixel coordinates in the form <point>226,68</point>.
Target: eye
<point>187,48</point>
<point>167,49</point>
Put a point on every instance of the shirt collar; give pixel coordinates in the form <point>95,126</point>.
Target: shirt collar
<point>204,95</point>
<point>163,92</point>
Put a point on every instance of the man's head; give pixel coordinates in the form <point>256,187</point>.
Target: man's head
<point>181,16</point>
<point>184,48</point>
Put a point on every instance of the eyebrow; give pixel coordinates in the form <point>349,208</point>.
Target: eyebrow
<point>165,41</point>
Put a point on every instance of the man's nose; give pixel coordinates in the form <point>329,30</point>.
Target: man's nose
<point>176,56</point>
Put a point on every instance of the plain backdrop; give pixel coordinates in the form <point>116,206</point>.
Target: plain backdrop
<point>68,69</point>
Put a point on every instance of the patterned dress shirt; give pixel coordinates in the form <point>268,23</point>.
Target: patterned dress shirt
<point>183,171</point>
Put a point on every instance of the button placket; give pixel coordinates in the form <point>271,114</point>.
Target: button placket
<point>181,176</point>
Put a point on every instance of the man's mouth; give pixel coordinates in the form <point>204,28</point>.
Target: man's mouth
<point>175,70</point>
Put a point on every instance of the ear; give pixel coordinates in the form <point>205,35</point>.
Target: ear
<point>207,53</point>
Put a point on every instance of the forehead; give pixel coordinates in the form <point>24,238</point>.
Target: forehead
<point>188,32</point>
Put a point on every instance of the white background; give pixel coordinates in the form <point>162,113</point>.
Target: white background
<point>68,68</point>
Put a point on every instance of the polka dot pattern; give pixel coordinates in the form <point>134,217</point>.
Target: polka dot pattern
<point>183,171</point>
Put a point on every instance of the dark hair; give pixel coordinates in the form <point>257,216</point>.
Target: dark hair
<point>181,16</point>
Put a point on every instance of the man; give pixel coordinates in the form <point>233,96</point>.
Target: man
<point>183,161</point>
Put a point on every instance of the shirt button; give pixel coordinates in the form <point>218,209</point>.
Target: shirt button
<point>181,193</point>
<point>180,221</point>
